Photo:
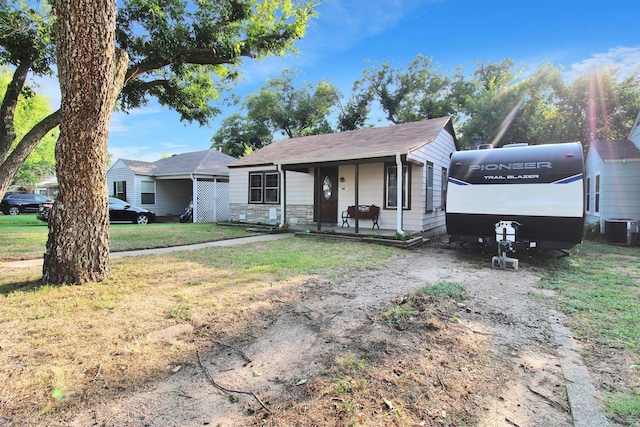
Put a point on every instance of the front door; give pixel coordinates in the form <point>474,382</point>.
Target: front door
<point>328,197</point>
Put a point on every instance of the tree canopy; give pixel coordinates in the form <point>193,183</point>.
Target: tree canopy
<point>186,54</point>
<point>496,104</point>
<point>280,107</point>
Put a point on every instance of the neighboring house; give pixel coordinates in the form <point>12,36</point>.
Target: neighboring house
<point>168,185</point>
<point>313,179</point>
<point>612,188</point>
<point>47,187</point>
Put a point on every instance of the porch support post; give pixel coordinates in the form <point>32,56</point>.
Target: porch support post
<point>399,194</point>
<point>194,198</point>
<point>357,198</point>
<point>317,195</point>
<point>215,199</point>
<point>283,196</point>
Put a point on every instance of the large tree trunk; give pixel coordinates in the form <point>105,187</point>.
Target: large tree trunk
<point>78,246</point>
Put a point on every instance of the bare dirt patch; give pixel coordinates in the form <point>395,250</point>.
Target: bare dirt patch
<point>362,348</point>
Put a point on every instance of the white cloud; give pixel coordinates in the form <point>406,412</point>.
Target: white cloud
<point>626,58</point>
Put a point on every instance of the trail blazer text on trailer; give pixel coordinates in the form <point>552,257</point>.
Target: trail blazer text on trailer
<point>511,177</point>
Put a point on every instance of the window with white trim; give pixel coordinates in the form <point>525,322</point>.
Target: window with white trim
<point>264,187</point>
<point>120,190</point>
<point>147,192</point>
<point>391,186</point>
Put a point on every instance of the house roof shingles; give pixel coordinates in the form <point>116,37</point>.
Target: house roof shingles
<point>348,145</point>
<point>616,149</point>
<point>209,162</point>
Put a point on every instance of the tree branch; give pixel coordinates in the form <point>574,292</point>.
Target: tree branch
<point>10,166</point>
<point>8,109</point>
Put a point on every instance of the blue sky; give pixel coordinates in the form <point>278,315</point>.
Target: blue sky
<point>350,35</point>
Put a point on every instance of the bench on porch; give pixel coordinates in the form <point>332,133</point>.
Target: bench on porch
<point>364,212</point>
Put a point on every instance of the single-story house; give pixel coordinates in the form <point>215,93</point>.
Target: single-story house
<point>168,185</point>
<point>612,187</point>
<point>314,179</point>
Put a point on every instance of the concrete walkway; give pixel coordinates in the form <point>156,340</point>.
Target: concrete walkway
<point>159,251</point>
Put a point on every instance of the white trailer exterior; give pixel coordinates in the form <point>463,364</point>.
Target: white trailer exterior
<point>526,196</point>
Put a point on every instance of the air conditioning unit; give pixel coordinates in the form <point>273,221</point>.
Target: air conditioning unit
<point>621,231</point>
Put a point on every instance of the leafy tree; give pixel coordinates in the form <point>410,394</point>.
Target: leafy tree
<point>600,105</point>
<point>30,109</point>
<point>292,111</point>
<point>237,133</point>
<point>542,108</point>
<point>183,53</point>
<point>278,107</point>
<point>354,114</point>
<point>418,93</point>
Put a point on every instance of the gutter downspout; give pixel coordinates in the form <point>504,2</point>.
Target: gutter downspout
<point>283,196</point>
<point>194,198</point>
<point>399,191</point>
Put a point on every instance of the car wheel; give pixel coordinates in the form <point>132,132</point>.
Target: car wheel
<point>14,210</point>
<point>142,219</point>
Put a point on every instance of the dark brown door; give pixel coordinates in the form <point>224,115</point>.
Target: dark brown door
<point>328,197</point>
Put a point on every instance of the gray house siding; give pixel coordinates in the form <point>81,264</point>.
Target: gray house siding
<point>121,172</point>
<point>438,153</point>
<point>619,195</point>
<point>593,168</point>
<point>620,191</point>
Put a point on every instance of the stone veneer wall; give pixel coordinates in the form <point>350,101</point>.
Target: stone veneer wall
<point>260,213</point>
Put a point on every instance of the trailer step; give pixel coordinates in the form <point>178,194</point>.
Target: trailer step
<point>504,263</point>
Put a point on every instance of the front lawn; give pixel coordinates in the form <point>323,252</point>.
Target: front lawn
<point>25,237</point>
<point>65,345</point>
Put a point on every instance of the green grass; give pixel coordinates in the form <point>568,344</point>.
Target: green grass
<point>598,287</point>
<point>623,407</point>
<point>25,237</point>
<point>445,289</point>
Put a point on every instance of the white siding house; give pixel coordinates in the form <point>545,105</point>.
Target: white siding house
<point>314,179</point>
<point>613,179</point>
<point>168,185</point>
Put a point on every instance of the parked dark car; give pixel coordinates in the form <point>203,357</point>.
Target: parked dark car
<point>119,211</point>
<point>14,204</point>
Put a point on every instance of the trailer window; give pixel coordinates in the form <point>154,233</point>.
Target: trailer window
<point>391,186</point>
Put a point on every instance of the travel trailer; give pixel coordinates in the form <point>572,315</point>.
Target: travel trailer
<point>517,197</point>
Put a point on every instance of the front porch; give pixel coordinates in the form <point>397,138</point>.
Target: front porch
<point>382,236</point>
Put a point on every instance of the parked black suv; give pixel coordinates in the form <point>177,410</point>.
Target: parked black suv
<point>14,204</point>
